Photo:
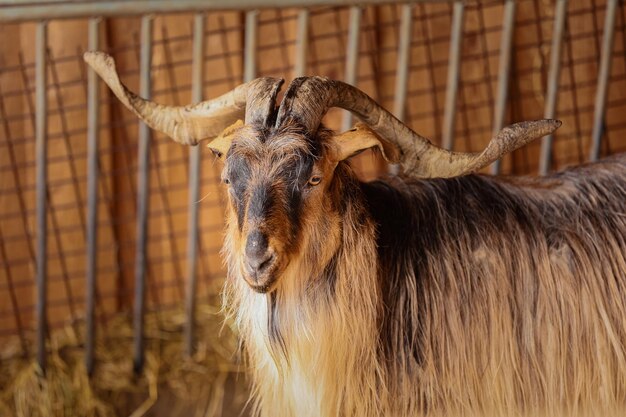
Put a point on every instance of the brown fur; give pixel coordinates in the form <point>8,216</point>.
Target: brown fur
<point>470,296</point>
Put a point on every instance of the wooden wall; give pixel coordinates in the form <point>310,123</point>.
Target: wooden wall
<point>171,73</point>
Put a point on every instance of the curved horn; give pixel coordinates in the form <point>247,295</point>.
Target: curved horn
<point>308,99</point>
<point>190,124</point>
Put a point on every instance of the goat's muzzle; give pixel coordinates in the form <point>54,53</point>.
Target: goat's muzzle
<point>259,262</point>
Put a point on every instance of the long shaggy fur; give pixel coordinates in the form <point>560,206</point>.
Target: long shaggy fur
<point>475,295</point>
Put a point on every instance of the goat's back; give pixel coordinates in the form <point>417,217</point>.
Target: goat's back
<point>504,293</point>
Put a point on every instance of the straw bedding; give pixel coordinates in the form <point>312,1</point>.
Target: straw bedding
<point>211,383</point>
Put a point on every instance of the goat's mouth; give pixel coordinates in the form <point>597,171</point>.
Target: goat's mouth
<point>263,278</point>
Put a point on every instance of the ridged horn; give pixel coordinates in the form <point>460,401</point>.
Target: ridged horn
<point>188,125</point>
<point>307,100</point>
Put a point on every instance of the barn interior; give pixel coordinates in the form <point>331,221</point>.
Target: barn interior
<point>110,234</point>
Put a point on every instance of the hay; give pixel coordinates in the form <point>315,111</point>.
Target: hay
<point>66,390</point>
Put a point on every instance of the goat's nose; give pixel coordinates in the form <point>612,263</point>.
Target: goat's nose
<point>256,250</point>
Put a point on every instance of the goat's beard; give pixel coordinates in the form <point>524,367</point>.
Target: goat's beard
<point>269,317</point>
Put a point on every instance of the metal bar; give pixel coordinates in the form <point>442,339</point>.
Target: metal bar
<point>143,179</point>
<point>404,60</point>
<point>402,67</point>
<point>454,63</point>
<point>603,79</point>
<point>93,121</point>
<point>504,72</point>
<point>249,70</point>
<point>560,17</point>
<point>352,56</point>
<point>302,43</point>
<point>68,9</point>
<point>105,191</point>
<point>197,80</point>
<point>41,152</point>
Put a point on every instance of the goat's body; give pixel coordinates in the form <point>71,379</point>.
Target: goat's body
<point>504,294</point>
<point>487,296</point>
<point>400,298</point>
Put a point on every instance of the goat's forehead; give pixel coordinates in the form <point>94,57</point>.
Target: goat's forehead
<point>281,157</point>
<point>273,147</point>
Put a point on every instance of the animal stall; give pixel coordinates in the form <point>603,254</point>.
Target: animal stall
<point>110,234</point>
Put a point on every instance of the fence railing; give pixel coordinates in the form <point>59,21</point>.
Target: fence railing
<point>45,10</point>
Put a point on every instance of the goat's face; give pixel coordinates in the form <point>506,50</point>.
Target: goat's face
<point>280,208</point>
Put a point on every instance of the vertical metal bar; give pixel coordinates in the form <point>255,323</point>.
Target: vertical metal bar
<point>454,62</point>
<point>302,43</point>
<point>554,72</point>
<point>352,56</point>
<point>197,81</point>
<point>402,67</point>
<point>249,71</point>
<point>404,57</point>
<point>143,179</point>
<point>504,69</point>
<point>603,79</point>
<point>93,120</point>
<point>41,128</point>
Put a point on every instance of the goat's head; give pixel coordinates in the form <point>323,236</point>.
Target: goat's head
<point>281,166</point>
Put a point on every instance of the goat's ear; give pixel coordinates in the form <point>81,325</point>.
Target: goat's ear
<point>221,144</point>
<point>360,138</point>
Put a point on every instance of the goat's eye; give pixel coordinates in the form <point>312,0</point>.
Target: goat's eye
<point>315,179</point>
<point>226,181</point>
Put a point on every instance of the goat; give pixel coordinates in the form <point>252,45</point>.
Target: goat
<point>433,292</point>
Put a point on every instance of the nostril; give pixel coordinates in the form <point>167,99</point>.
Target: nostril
<point>256,249</point>
<point>266,262</point>
<point>257,266</point>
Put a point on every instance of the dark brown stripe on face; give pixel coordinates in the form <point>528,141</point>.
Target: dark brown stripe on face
<point>297,177</point>
<point>261,202</point>
<point>238,175</point>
